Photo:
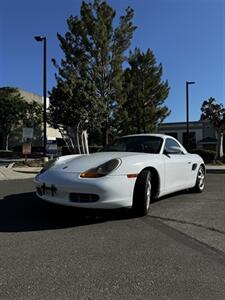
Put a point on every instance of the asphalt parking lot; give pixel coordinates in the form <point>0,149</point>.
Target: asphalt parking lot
<point>176,252</point>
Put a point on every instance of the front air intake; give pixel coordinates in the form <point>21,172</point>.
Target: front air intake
<point>83,198</point>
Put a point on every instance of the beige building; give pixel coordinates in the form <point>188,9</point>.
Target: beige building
<point>29,97</point>
<point>202,133</point>
<point>16,138</point>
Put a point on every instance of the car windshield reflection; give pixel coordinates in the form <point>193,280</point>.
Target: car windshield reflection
<point>143,144</point>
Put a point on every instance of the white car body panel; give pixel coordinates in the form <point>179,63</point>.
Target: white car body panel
<point>175,173</point>
<point>108,188</point>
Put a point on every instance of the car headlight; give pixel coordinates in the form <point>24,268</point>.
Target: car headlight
<point>50,164</point>
<point>102,170</point>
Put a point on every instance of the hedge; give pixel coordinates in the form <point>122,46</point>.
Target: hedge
<point>207,155</point>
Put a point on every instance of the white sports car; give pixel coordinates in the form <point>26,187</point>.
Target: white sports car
<point>128,173</point>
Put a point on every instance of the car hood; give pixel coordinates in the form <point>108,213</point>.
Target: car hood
<point>81,163</point>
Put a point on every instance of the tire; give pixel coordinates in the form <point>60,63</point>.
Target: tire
<point>200,181</point>
<point>142,194</point>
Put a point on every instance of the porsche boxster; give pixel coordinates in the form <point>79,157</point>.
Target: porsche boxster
<point>128,173</point>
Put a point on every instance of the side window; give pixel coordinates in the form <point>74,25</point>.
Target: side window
<point>173,147</point>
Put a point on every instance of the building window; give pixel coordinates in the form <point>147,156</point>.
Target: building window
<point>192,140</point>
<point>173,134</point>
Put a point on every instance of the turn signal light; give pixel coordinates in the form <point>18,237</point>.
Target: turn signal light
<point>90,175</point>
<point>132,175</point>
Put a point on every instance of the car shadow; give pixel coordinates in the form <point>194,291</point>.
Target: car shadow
<point>25,212</point>
<point>175,194</point>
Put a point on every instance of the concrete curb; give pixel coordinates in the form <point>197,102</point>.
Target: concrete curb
<point>215,171</point>
<point>27,170</point>
<point>210,169</point>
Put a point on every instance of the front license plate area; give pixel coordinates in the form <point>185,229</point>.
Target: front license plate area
<point>48,190</point>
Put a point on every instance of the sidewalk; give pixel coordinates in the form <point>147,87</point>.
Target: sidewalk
<point>28,172</point>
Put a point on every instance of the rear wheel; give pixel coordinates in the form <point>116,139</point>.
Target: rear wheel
<point>200,180</point>
<point>142,194</point>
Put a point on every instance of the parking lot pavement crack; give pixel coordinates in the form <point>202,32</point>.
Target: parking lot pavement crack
<point>187,223</point>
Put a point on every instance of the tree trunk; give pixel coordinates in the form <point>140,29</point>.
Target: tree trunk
<point>7,142</point>
<point>78,142</point>
<point>73,137</point>
<point>69,138</point>
<point>4,141</point>
<point>219,146</point>
<point>1,140</point>
<point>105,135</point>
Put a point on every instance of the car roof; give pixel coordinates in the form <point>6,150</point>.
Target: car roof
<point>163,136</point>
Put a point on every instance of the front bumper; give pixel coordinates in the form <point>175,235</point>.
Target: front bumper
<point>112,191</point>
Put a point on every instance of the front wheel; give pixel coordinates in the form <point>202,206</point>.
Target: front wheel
<point>142,194</point>
<point>200,180</point>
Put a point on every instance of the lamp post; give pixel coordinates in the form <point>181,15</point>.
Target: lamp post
<point>187,110</point>
<point>43,39</point>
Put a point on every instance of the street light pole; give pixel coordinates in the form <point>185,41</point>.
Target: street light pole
<point>45,96</point>
<point>43,39</point>
<point>187,109</point>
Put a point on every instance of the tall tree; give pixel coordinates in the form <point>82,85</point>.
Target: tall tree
<point>215,113</point>
<point>11,111</point>
<point>71,105</point>
<point>33,114</point>
<point>89,80</point>
<point>15,111</point>
<point>144,94</point>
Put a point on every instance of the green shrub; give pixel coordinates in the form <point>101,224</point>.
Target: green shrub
<point>7,154</point>
<point>207,155</point>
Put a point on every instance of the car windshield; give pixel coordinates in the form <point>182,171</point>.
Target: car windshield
<point>143,144</point>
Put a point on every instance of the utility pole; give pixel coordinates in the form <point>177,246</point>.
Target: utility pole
<point>187,112</point>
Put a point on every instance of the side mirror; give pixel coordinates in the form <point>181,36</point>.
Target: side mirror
<point>173,150</point>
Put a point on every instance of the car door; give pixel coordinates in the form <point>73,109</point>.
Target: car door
<point>176,166</point>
